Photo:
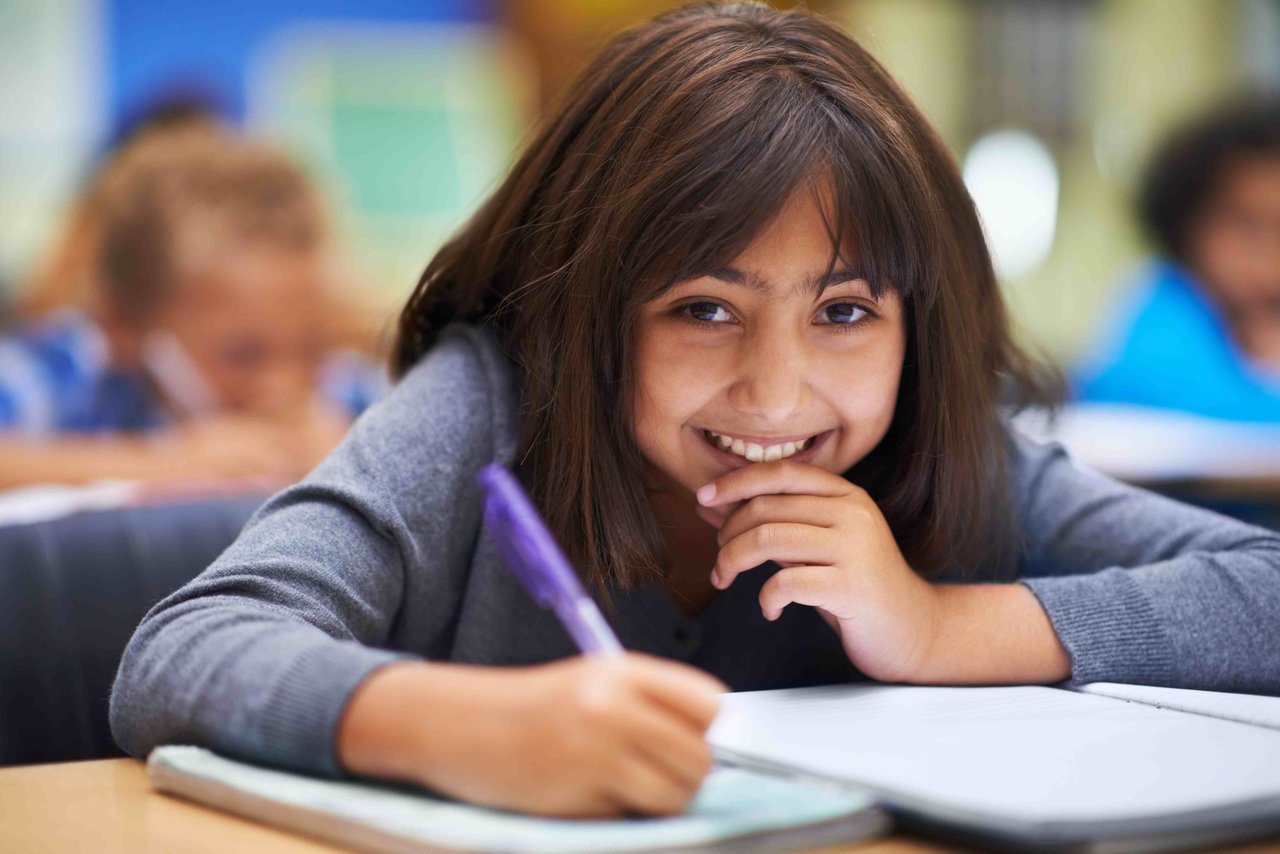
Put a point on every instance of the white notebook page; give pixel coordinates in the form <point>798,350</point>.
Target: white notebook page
<point>1021,754</point>
<point>1246,708</point>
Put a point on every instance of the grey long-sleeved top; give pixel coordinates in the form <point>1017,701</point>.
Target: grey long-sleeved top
<point>379,555</point>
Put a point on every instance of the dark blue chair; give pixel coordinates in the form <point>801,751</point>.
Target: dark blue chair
<point>72,590</point>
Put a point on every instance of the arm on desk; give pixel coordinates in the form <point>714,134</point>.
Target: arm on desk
<point>222,447</point>
<point>1143,589</point>
<point>257,657</point>
<point>271,655</point>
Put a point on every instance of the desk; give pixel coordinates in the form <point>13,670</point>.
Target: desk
<point>107,807</point>
<point>1228,466</point>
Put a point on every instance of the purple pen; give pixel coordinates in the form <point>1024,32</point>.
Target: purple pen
<point>531,553</point>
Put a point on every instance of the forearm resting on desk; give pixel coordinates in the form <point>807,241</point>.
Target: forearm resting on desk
<point>77,461</point>
<point>991,634</point>
<point>220,447</point>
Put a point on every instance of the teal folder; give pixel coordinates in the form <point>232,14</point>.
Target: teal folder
<point>736,810</point>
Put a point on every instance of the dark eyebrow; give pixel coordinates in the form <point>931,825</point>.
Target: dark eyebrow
<point>814,284</point>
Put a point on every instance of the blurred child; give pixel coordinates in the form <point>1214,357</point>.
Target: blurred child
<point>201,349</point>
<point>1200,329</point>
<point>66,274</point>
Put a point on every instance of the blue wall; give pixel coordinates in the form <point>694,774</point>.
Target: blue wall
<point>161,47</point>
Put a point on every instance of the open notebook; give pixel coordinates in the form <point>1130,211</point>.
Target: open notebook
<point>1110,767</point>
<point>735,810</point>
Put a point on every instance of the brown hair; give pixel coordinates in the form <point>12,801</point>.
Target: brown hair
<point>679,142</point>
<point>172,185</point>
<point>1188,168</point>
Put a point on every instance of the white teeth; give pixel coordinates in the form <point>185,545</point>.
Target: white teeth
<point>756,452</point>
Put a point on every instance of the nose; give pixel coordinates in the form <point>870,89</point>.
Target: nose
<point>771,382</point>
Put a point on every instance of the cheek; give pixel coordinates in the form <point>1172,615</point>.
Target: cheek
<point>660,389</point>
<point>865,394</point>
<point>672,385</point>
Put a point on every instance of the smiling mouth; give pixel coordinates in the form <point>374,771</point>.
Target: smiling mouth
<point>757,451</point>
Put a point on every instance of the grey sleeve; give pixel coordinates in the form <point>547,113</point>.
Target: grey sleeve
<point>258,655</point>
<point>1144,589</point>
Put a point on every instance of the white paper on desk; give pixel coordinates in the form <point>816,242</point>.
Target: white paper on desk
<point>1012,757</point>
<point>1245,708</point>
<point>1138,443</point>
<point>41,503</point>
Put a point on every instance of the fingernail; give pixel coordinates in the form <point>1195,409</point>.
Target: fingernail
<point>715,580</point>
<point>707,493</point>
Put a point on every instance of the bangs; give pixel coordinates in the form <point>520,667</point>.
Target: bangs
<point>742,153</point>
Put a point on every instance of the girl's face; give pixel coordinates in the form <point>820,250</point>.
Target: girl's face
<point>758,360</point>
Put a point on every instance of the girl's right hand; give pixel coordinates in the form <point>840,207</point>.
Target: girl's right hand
<point>589,736</point>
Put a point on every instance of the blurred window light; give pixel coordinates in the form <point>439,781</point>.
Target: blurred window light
<point>1014,182</point>
<point>51,115</point>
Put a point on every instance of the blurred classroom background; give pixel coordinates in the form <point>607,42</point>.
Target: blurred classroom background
<point>405,112</point>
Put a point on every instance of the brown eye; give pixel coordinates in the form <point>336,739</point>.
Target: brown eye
<point>705,311</point>
<point>843,314</point>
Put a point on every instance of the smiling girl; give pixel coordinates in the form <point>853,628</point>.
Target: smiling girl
<point>732,320</point>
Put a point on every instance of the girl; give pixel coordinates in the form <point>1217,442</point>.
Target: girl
<point>732,318</point>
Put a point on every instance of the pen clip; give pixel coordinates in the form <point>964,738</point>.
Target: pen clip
<point>530,550</point>
<point>516,538</point>
<point>515,551</point>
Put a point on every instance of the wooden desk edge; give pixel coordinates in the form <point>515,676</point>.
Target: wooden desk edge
<point>108,806</point>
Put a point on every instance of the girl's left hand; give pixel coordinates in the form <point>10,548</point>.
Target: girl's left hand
<point>837,554</point>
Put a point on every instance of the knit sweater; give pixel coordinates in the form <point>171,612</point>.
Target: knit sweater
<point>379,555</point>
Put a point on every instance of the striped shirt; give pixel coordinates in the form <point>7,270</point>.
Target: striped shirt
<point>56,377</point>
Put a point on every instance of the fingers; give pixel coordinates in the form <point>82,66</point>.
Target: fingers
<point>645,788</point>
<point>713,517</point>
<point>686,691</point>
<point>669,755</point>
<point>784,542</point>
<point>803,585</point>
<point>779,477</point>
<point>678,749</point>
<point>807,509</point>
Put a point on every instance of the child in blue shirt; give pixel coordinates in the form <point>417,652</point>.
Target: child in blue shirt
<point>1199,329</point>
<point>202,351</point>
<point>732,320</point>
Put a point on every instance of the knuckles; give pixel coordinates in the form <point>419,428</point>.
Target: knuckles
<point>600,693</point>
<point>772,536</point>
